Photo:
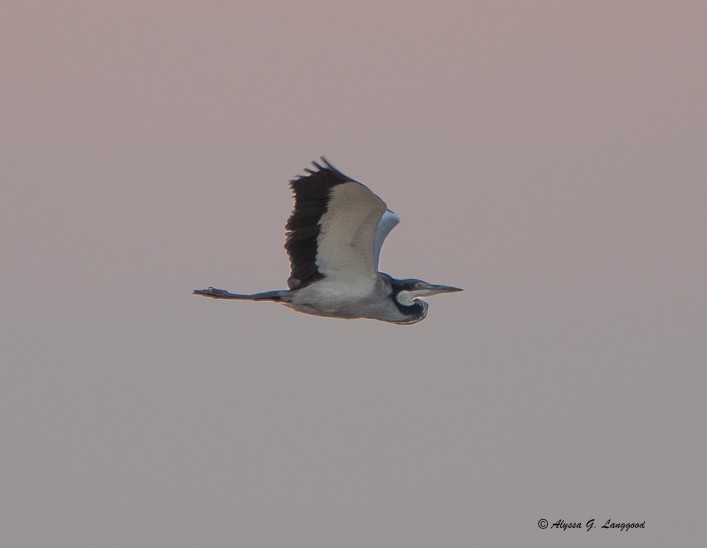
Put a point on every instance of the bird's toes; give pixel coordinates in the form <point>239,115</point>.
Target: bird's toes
<point>210,292</point>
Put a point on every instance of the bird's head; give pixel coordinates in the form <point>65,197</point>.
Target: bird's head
<point>407,296</point>
<point>406,292</point>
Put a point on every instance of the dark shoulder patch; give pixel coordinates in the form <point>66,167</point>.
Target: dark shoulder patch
<point>311,194</point>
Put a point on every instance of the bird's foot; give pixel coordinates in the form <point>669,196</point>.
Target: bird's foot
<point>212,292</point>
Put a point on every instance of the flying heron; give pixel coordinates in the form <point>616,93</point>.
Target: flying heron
<point>334,238</point>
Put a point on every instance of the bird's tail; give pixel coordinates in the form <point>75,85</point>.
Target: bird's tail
<point>278,295</point>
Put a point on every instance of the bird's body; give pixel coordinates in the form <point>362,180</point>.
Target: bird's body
<point>334,238</point>
<point>349,300</point>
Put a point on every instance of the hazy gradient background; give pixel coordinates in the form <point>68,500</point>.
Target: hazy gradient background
<point>549,156</point>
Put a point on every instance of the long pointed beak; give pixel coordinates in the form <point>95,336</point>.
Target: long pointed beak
<point>431,289</point>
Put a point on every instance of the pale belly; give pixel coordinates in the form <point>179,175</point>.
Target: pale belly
<point>339,300</point>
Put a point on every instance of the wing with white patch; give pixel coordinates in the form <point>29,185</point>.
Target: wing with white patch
<point>348,231</point>
<point>387,223</point>
<point>332,230</point>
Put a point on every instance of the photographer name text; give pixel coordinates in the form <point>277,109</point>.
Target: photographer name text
<point>562,525</point>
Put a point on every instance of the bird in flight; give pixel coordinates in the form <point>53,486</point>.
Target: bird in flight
<point>334,238</point>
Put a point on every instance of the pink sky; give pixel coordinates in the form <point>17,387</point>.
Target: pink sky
<point>549,157</point>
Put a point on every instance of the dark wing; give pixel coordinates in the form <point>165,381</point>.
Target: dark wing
<point>332,229</point>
